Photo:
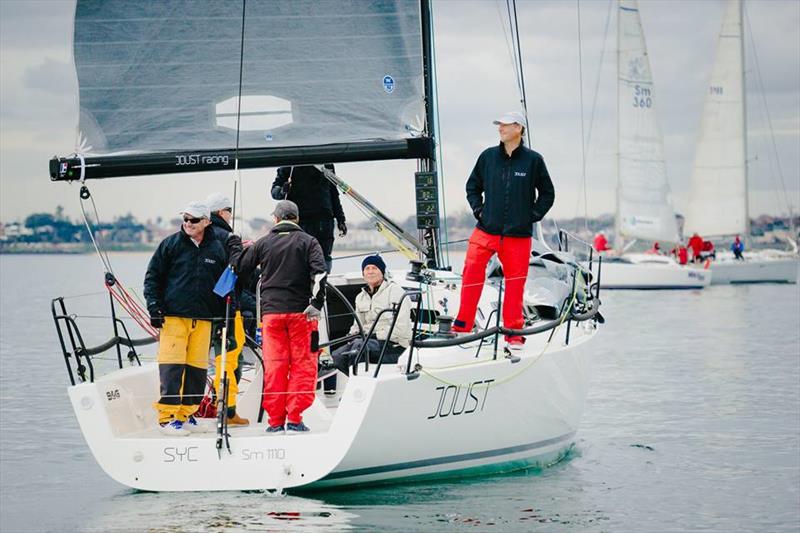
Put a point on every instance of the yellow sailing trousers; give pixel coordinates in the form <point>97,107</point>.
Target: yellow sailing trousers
<point>231,362</point>
<point>182,366</point>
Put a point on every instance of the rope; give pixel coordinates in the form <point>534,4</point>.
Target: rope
<point>103,256</point>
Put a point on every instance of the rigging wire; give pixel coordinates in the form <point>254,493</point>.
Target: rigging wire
<point>583,134</point>
<point>236,170</point>
<point>594,108</point>
<point>521,74</point>
<point>760,81</point>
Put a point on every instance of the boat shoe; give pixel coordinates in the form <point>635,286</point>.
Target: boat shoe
<point>274,430</point>
<point>237,420</point>
<point>173,428</point>
<point>297,428</point>
<point>196,426</point>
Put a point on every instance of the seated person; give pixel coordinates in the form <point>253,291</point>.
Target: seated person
<point>379,294</point>
<point>655,250</point>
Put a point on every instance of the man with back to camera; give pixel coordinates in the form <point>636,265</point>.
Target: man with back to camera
<point>317,199</point>
<point>292,295</point>
<point>508,191</point>
<point>179,289</point>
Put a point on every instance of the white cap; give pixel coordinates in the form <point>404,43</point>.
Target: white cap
<point>196,210</point>
<point>512,117</point>
<point>217,201</point>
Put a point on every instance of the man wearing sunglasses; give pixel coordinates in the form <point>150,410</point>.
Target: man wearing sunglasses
<point>179,289</point>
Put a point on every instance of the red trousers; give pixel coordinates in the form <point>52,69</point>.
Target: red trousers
<point>290,367</point>
<point>514,254</point>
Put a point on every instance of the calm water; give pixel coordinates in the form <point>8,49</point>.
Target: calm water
<point>692,424</point>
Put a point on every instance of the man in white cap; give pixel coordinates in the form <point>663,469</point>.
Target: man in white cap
<point>508,191</point>
<point>221,209</point>
<point>179,289</point>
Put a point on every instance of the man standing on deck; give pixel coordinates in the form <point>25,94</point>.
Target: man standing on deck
<point>221,216</point>
<point>179,289</point>
<point>317,199</point>
<point>508,191</point>
<point>292,294</point>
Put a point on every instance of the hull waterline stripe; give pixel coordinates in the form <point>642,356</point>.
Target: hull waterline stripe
<point>447,459</point>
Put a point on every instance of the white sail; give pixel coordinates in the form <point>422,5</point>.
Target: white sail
<point>718,194</point>
<point>644,206</point>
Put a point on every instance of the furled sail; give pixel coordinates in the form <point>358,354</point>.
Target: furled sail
<point>644,206</point>
<point>718,194</point>
<point>163,77</point>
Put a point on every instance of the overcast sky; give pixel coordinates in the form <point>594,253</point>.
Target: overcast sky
<point>38,106</point>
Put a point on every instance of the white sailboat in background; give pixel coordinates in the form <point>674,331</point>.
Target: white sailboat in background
<point>644,208</point>
<point>718,204</point>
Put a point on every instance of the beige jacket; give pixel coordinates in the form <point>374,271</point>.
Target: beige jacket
<point>367,308</point>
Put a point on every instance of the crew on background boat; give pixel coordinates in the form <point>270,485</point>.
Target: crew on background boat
<point>221,216</point>
<point>292,294</point>
<point>708,252</point>
<point>737,247</point>
<point>600,242</point>
<point>508,191</point>
<point>317,199</point>
<point>681,254</point>
<point>655,250</point>
<point>179,289</point>
<point>696,245</point>
<point>379,294</point>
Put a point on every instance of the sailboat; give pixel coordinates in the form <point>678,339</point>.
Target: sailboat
<point>644,208</point>
<point>256,84</point>
<point>718,205</point>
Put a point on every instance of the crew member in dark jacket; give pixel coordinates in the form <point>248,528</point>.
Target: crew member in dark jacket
<point>317,199</point>
<point>508,191</point>
<point>179,289</point>
<point>221,209</point>
<point>292,294</point>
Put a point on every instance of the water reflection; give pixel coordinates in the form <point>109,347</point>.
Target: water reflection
<point>215,512</point>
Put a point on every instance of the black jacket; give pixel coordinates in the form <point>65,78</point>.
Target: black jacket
<point>292,268</point>
<point>508,194</point>
<point>316,196</point>
<point>181,276</point>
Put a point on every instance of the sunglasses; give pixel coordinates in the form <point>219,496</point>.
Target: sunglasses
<point>192,220</point>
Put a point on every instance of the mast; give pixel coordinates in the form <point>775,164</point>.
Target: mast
<point>427,180</point>
<point>744,120</point>
<point>618,241</point>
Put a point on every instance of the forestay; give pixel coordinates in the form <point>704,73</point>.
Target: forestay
<point>644,206</point>
<point>718,197</point>
<point>164,76</point>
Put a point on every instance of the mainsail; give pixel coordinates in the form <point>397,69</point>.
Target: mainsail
<point>718,194</point>
<point>320,82</point>
<point>644,208</point>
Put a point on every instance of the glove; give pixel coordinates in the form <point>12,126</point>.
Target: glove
<point>477,213</point>
<point>285,189</point>
<point>342,228</point>
<point>157,318</point>
<point>312,313</point>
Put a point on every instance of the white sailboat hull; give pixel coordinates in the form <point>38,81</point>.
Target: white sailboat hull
<point>444,423</point>
<point>756,268</point>
<point>646,272</point>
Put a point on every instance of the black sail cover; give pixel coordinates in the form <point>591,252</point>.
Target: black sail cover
<point>159,76</point>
